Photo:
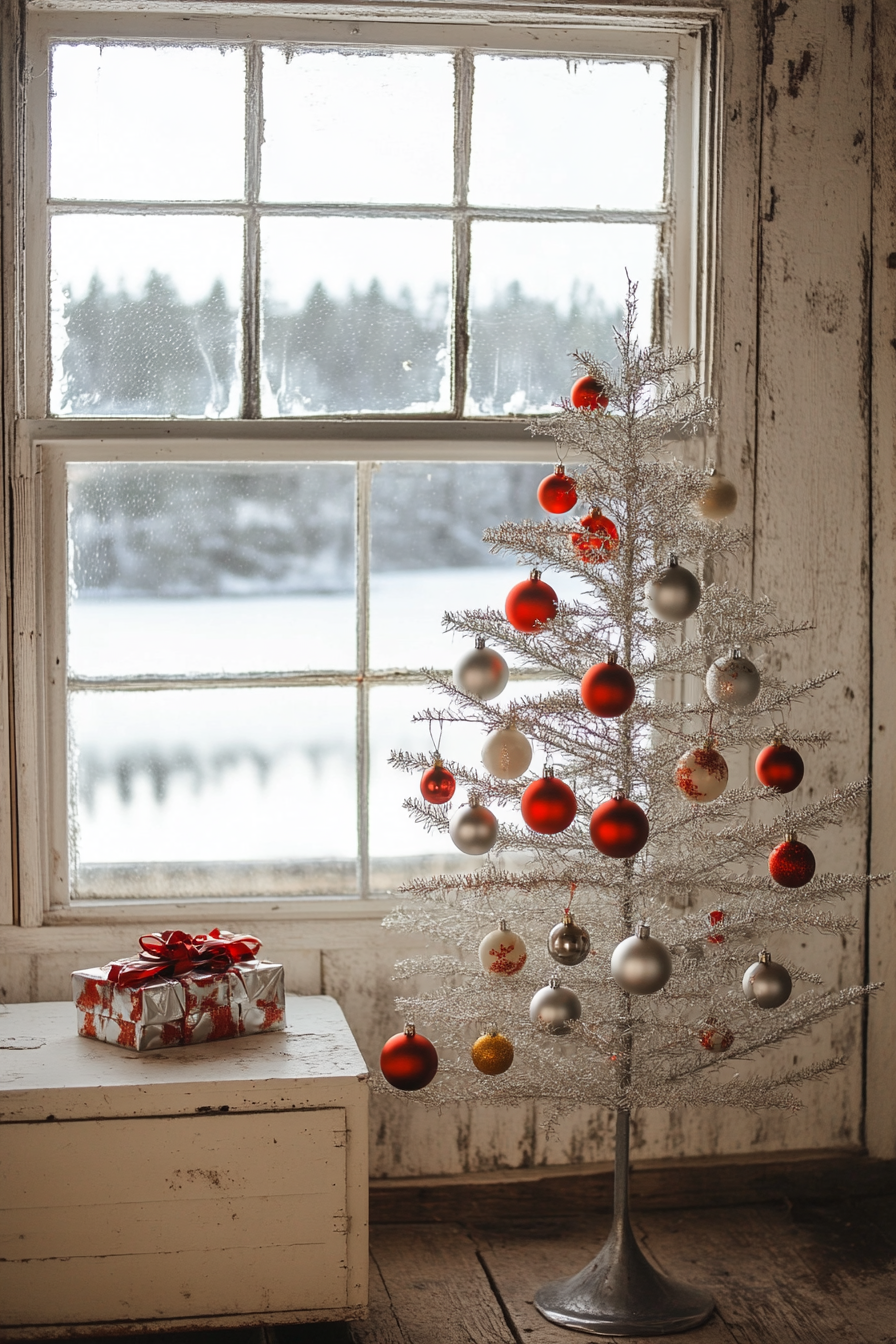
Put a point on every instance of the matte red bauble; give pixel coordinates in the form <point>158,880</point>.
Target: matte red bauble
<point>530,604</point>
<point>437,784</point>
<point>409,1061</point>
<point>791,864</point>
<point>779,767</point>
<point>716,918</point>
<point>548,805</point>
<point>557,493</point>
<point>589,395</point>
<point>608,689</point>
<point>619,828</point>
<point>598,539</point>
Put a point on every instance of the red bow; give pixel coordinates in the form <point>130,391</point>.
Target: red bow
<point>175,952</point>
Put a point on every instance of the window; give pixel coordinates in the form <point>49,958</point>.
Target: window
<point>354,257</point>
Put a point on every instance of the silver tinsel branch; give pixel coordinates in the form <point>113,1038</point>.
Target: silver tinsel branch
<point>626,1050</point>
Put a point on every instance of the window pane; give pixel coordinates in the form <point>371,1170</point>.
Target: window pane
<point>134,122</point>
<point>355,315</point>
<point>574,133</point>
<point>144,315</point>
<point>540,291</point>
<point>362,126</point>
<point>428,556</point>
<point>214,792</point>
<point>178,568</point>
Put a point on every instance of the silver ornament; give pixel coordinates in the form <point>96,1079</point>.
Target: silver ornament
<point>732,682</point>
<point>481,672</point>
<point>554,1007</point>
<point>641,964</point>
<point>719,497</point>
<point>474,829</point>
<point>568,942</point>
<point>502,952</point>
<point>506,753</point>
<point>767,983</point>
<point>674,594</point>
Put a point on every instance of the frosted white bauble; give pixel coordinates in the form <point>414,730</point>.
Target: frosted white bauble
<point>674,594</point>
<point>641,964</point>
<point>506,753</point>
<point>481,672</point>
<point>502,952</point>
<point>555,1007</point>
<point>702,774</point>
<point>732,682</point>
<point>719,497</point>
<point>474,829</point>
<point>767,983</point>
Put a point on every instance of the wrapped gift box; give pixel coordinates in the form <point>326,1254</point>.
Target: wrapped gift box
<point>156,1001</point>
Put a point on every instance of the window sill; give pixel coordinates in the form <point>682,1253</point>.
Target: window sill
<point>247,912</point>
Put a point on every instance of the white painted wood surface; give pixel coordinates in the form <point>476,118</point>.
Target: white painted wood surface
<point>214,1185</point>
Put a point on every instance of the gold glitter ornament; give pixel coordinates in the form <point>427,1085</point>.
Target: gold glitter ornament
<point>492,1053</point>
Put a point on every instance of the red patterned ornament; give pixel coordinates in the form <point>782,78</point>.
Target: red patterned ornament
<point>608,689</point>
<point>548,805</point>
<point>791,864</point>
<point>619,828</point>
<point>716,918</point>
<point>702,774</point>
<point>557,493</point>
<point>437,784</point>
<point>779,767</point>
<point>530,604</point>
<point>502,952</point>
<point>589,394</point>
<point>599,539</point>
<point>409,1061</point>
<point>716,1037</point>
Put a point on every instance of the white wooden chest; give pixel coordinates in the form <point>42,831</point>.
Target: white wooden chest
<point>220,1184</point>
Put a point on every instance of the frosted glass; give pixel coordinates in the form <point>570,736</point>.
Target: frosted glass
<point>573,133</point>
<point>135,122</point>
<point>355,315</point>
<point>182,569</point>
<point>144,315</point>
<point>365,126</point>
<point>540,291</point>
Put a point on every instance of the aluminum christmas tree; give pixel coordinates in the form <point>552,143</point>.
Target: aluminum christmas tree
<point>660,1020</point>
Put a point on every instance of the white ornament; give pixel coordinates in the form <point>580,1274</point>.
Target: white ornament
<point>719,497</point>
<point>555,1007</point>
<point>481,672</point>
<point>506,753</point>
<point>732,682</point>
<point>767,983</point>
<point>702,774</point>
<point>502,952</point>
<point>674,594</point>
<point>641,964</point>
<point>474,829</point>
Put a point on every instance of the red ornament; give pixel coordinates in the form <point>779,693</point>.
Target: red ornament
<point>599,539</point>
<point>548,805</point>
<point>409,1061</point>
<point>619,828</point>
<point>608,689</point>
<point>779,767</point>
<point>530,604</point>
<point>437,784</point>
<point>716,1037</point>
<point>791,864</point>
<point>557,493</point>
<point>588,394</point>
<point>716,917</point>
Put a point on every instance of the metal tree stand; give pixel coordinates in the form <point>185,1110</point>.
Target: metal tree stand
<point>620,1292</point>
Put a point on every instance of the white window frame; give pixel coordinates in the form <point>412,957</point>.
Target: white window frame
<point>44,446</point>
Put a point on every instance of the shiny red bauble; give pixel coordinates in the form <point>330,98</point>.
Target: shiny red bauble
<point>530,604</point>
<point>779,767</point>
<point>589,395</point>
<point>548,805</point>
<point>557,493</point>
<point>619,828</point>
<point>409,1061</point>
<point>792,864</point>
<point>437,784</point>
<point>608,689</point>
<point>716,918</point>
<point>598,539</point>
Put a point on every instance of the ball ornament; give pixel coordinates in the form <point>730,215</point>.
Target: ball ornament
<point>715,919</point>
<point>506,753</point>
<point>702,773</point>
<point>557,492</point>
<point>502,952</point>
<point>719,497</point>
<point>598,538</point>
<point>779,767</point>
<point>641,964</point>
<point>767,983</point>
<point>492,1053</point>
<point>474,829</point>
<point>548,805</point>
<point>555,1007</point>
<point>437,784</point>
<point>791,864</point>
<point>589,394</point>
<point>409,1061</point>
<point>481,672</point>
<point>608,689</point>
<point>732,682</point>
<point>674,594</point>
<point>716,1037</point>
<point>568,943</point>
<point>530,603</point>
<point>619,828</point>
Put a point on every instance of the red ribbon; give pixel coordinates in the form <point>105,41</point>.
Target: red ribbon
<point>175,953</point>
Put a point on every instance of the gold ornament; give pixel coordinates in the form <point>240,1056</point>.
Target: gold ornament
<point>492,1053</point>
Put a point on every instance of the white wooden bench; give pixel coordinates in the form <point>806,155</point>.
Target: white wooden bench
<point>212,1185</point>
